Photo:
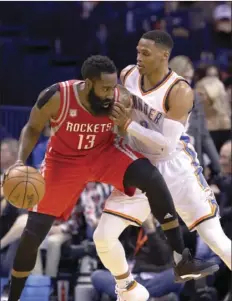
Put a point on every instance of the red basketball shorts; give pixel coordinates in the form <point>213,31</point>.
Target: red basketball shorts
<point>66,179</point>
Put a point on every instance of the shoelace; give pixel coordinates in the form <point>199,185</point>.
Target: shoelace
<point>118,292</point>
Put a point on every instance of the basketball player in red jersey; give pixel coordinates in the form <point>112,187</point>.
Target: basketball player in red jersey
<point>83,148</point>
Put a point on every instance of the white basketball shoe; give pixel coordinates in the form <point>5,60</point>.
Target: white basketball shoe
<point>133,292</point>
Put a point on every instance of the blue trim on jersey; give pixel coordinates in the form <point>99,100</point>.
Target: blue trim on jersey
<point>198,169</point>
<point>202,179</point>
<point>185,138</point>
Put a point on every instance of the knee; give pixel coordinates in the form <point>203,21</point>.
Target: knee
<point>54,241</point>
<point>153,177</point>
<point>103,241</point>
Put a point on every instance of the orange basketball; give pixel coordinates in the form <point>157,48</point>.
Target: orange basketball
<point>23,187</point>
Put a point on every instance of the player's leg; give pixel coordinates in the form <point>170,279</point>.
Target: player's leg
<point>194,202</point>
<point>106,239</point>
<point>132,172</point>
<point>117,216</point>
<point>143,175</point>
<point>37,227</point>
<point>148,178</point>
<point>213,235</point>
<point>202,215</point>
<point>196,205</point>
<point>112,255</point>
<point>120,211</point>
<point>61,195</point>
<point>129,172</point>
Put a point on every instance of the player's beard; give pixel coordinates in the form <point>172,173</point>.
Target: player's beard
<point>97,104</point>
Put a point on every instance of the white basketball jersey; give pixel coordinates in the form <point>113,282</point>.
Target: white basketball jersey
<point>149,110</point>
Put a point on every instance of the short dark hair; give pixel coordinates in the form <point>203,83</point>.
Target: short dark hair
<point>95,65</point>
<point>159,37</point>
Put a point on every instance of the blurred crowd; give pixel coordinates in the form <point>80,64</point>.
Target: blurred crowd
<point>68,251</point>
<point>44,42</point>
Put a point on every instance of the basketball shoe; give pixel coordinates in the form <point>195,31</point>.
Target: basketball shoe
<point>132,292</point>
<point>192,268</point>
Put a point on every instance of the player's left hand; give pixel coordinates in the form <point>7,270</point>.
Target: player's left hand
<point>120,115</point>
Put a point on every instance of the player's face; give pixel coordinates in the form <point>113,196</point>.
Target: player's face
<point>149,56</point>
<point>101,94</point>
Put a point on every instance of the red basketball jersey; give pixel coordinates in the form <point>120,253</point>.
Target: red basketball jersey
<point>75,132</point>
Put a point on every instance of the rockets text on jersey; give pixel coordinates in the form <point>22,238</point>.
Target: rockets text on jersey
<point>75,131</point>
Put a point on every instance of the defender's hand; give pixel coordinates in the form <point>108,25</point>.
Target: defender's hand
<point>120,115</point>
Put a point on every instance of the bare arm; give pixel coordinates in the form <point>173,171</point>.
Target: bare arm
<point>180,102</point>
<point>46,107</point>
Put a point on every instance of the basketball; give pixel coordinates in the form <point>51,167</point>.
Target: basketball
<point>23,187</point>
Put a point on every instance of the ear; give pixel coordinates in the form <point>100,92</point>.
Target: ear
<point>88,84</point>
<point>166,55</point>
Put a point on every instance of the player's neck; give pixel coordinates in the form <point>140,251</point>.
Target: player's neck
<point>155,78</point>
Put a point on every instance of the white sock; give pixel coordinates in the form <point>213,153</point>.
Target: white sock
<point>122,283</point>
<point>177,257</point>
<point>212,234</point>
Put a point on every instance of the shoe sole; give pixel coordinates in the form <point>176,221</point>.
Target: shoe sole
<point>207,272</point>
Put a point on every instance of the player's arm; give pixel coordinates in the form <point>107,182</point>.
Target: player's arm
<point>45,108</point>
<point>125,72</point>
<point>180,102</point>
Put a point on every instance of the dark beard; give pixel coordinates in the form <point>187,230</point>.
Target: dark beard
<point>97,104</point>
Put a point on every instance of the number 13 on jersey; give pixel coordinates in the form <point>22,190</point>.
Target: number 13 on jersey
<point>86,142</point>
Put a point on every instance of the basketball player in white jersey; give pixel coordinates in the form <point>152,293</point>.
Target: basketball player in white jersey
<point>156,128</point>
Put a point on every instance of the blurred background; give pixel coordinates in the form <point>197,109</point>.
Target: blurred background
<point>46,42</point>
